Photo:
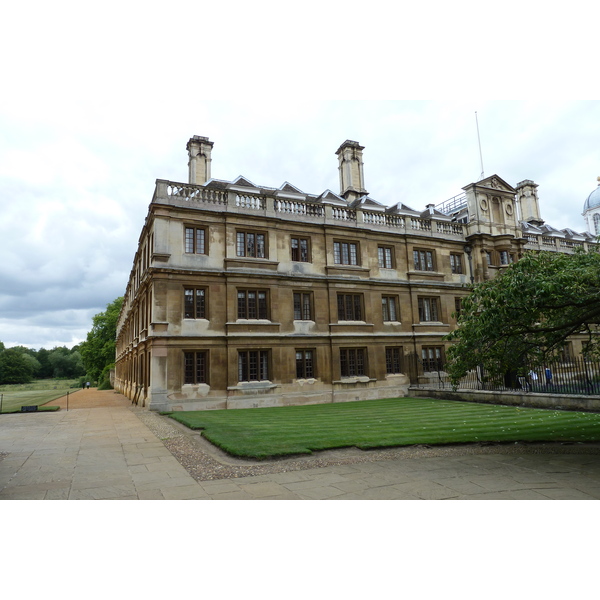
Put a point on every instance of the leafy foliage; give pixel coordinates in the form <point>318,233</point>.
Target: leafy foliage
<point>21,364</point>
<point>98,351</point>
<point>527,312</point>
<point>15,367</point>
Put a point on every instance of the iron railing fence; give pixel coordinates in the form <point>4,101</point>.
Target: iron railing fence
<point>573,376</point>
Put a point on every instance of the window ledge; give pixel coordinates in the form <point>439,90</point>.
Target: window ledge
<point>253,385</point>
<point>251,263</point>
<point>253,321</point>
<point>355,380</point>
<point>425,275</point>
<point>354,270</point>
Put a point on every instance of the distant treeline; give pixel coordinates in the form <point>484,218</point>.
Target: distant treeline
<point>93,358</point>
<point>20,364</point>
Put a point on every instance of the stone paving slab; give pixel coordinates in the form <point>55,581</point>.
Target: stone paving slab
<point>101,450</point>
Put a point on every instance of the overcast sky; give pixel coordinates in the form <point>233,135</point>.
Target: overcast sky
<point>96,105</point>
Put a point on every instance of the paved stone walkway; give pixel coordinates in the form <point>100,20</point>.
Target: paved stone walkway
<point>99,449</point>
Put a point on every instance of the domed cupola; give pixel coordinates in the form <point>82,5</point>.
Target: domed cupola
<point>593,200</point>
<point>591,211</point>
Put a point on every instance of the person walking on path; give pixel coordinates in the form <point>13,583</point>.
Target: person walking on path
<point>548,373</point>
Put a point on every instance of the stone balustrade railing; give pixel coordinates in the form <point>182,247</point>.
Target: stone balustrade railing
<point>168,191</point>
<point>543,242</point>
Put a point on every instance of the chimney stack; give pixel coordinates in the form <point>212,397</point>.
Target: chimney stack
<point>351,170</point>
<point>199,149</point>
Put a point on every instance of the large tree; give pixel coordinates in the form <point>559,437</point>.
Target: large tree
<point>98,351</point>
<point>527,312</point>
<point>15,366</point>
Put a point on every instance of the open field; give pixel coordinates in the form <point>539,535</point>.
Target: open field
<point>36,393</point>
<point>270,432</point>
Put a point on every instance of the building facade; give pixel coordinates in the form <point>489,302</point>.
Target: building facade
<point>591,211</point>
<point>247,296</point>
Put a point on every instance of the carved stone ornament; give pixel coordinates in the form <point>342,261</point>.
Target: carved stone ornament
<point>483,203</point>
<point>509,209</point>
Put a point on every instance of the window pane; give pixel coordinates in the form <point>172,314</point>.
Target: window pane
<point>434,309</point>
<point>250,245</point>
<point>391,306</point>
<point>200,304</point>
<point>260,245</point>
<point>251,296</point>
<point>262,305</point>
<point>253,366</point>
<point>264,363</point>
<point>344,363</point>
<point>337,258</point>
<point>306,307</point>
<point>297,307</point>
<point>348,310</point>
<point>357,316</point>
<point>242,313</point>
<point>241,244</point>
<point>360,362</point>
<point>295,250</point>
<point>200,367</point>
<point>341,308</point>
<point>188,304</point>
<point>345,254</point>
<point>189,239</point>
<point>388,258</point>
<point>199,241</point>
<point>353,254</point>
<point>352,362</point>
<point>299,365</point>
<point>304,250</point>
<point>242,366</point>
<point>189,367</point>
<point>393,361</point>
<point>308,363</point>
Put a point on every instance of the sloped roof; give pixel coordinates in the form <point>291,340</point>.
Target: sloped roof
<point>288,187</point>
<point>243,181</point>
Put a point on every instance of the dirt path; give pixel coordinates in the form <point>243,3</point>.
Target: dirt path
<point>92,398</point>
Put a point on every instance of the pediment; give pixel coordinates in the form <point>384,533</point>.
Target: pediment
<point>496,183</point>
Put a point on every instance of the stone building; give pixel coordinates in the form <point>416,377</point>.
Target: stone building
<point>245,296</point>
<point>591,211</point>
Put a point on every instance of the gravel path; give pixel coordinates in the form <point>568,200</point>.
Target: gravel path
<point>203,461</point>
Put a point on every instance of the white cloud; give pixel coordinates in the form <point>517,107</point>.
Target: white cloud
<point>101,102</point>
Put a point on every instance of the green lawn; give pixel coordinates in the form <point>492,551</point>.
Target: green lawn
<point>270,432</point>
<point>35,393</point>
